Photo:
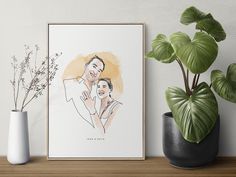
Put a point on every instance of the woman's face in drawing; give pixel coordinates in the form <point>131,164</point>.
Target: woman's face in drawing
<point>103,89</point>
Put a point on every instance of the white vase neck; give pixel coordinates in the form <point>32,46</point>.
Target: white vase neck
<point>18,111</point>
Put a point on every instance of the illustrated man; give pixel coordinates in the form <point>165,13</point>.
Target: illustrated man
<point>76,86</point>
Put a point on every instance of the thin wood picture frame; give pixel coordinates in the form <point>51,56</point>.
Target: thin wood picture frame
<point>96,103</point>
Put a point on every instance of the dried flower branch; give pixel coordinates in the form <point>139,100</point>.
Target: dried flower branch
<point>40,77</point>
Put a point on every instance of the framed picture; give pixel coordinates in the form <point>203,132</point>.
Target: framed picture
<point>96,100</point>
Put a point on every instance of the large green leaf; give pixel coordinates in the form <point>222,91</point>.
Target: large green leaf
<point>212,27</point>
<point>162,50</point>
<point>191,15</point>
<point>225,86</point>
<point>204,22</point>
<point>195,115</point>
<point>197,54</point>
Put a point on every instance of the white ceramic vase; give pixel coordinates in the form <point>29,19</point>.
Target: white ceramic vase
<point>18,138</point>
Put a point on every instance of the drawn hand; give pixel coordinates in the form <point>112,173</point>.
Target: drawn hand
<point>89,102</point>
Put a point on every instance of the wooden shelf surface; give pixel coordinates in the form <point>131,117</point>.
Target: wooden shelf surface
<point>151,167</point>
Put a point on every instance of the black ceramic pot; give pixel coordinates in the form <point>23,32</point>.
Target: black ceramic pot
<point>182,153</point>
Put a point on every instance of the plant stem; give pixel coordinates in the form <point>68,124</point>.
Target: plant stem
<point>30,86</point>
<point>14,97</point>
<point>194,80</point>
<point>18,89</point>
<point>14,86</point>
<point>188,78</point>
<point>197,80</point>
<point>25,104</point>
<point>28,64</point>
<point>28,91</point>
<point>188,91</point>
<point>19,79</point>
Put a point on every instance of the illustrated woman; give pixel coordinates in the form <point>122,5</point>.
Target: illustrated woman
<point>108,107</point>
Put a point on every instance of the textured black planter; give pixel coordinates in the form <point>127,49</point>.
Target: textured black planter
<point>182,153</point>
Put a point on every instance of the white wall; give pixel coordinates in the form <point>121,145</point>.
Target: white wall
<point>25,22</point>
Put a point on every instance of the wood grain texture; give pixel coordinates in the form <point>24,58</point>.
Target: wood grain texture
<point>152,167</point>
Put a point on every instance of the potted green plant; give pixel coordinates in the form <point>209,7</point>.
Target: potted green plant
<point>191,137</point>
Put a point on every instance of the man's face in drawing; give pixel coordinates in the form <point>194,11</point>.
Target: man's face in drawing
<point>93,70</point>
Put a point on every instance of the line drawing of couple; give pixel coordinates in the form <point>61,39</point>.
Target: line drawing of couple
<point>92,96</point>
